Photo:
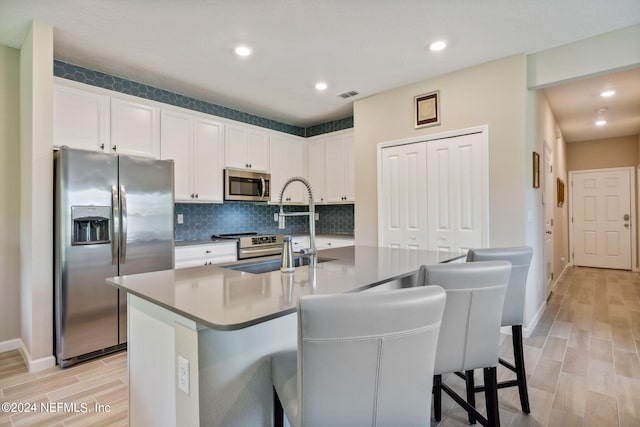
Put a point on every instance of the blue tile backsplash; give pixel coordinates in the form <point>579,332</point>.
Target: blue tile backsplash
<point>117,84</point>
<point>203,220</point>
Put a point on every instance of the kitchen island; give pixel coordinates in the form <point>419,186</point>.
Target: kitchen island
<point>200,338</point>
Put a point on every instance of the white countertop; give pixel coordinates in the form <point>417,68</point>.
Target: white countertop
<point>225,299</point>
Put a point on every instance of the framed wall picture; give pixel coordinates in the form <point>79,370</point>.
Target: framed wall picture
<point>426,109</point>
<point>560,192</point>
<point>536,170</point>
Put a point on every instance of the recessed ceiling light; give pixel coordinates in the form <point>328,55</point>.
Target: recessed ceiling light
<point>243,51</point>
<point>608,93</point>
<point>601,123</point>
<point>321,86</point>
<point>438,45</point>
<point>601,110</point>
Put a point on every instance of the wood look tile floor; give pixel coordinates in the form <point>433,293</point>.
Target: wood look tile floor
<point>96,393</point>
<point>582,365</point>
<point>582,358</point>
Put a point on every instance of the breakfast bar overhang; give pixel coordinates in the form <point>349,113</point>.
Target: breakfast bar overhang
<point>200,338</point>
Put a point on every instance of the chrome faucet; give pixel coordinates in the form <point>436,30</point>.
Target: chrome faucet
<point>312,251</point>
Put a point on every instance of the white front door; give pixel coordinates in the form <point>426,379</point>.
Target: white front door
<point>549,203</point>
<point>601,214</point>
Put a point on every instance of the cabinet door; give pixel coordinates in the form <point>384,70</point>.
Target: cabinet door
<point>134,128</point>
<point>80,119</point>
<point>177,145</point>
<point>349,170</point>
<point>297,155</point>
<point>258,151</point>
<point>334,172</point>
<point>315,169</point>
<point>287,160</point>
<point>235,144</point>
<point>208,160</point>
<point>279,167</point>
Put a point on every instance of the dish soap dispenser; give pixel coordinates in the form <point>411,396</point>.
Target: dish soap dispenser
<point>286,259</point>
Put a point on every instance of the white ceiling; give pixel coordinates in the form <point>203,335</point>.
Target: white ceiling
<point>364,45</point>
<point>575,106</point>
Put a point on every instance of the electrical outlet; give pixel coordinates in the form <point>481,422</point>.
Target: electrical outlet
<point>183,375</point>
<point>316,216</point>
<point>275,216</point>
<point>180,218</point>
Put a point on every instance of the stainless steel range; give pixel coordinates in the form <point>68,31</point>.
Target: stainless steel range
<point>253,245</point>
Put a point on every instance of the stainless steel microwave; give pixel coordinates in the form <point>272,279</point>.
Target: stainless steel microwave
<point>246,185</point>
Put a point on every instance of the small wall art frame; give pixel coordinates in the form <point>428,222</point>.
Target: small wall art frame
<point>536,170</point>
<point>426,109</point>
<point>560,192</point>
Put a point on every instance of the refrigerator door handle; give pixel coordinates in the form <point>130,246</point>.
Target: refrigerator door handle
<point>123,208</point>
<point>115,225</point>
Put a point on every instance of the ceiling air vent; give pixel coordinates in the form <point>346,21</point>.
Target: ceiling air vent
<point>348,94</point>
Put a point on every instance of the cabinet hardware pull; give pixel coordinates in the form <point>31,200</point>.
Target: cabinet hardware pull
<point>196,195</point>
<point>207,252</point>
<point>115,148</point>
<point>102,147</point>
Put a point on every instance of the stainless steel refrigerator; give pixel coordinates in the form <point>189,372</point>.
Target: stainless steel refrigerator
<point>113,216</point>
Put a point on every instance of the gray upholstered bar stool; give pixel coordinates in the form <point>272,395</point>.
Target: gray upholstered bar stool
<point>470,331</point>
<point>513,312</point>
<point>363,359</point>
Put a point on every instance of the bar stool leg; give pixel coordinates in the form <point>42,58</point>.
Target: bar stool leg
<point>437,397</point>
<point>491,396</point>
<point>471,394</point>
<point>521,375</point>
<point>278,411</point>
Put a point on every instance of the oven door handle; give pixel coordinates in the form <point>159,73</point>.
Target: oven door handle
<point>271,250</point>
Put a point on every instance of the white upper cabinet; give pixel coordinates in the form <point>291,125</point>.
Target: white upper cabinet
<point>195,145</point>
<point>338,168</point>
<point>315,169</point>
<point>246,148</point>
<point>288,156</point>
<point>80,119</point>
<point>135,128</point>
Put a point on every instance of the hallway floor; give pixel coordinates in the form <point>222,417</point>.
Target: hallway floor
<point>582,363</point>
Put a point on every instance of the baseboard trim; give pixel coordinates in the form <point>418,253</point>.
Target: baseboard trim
<point>38,364</point>
<point>9,345</point>
<point>527,330</point>
<point>564,270</point>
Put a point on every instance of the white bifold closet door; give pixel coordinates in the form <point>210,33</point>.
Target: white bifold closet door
<point>403,196</point>
<point>456,173</point>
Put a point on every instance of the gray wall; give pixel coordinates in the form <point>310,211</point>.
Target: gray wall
<point>9,194</point>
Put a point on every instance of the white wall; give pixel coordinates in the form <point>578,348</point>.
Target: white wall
<point>490,94</point>
<point>595,55</point>
<point>9,194</point>
<point>36,196</point>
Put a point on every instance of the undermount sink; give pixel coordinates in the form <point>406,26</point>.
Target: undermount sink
<point>265,266</point>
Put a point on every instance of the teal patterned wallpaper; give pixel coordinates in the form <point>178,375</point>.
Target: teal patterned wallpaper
<point>117,84</point>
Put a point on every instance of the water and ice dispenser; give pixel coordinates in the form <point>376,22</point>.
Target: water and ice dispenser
<point>90,225</point>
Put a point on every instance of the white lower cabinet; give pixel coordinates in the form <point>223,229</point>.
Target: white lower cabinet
<point>322,242</point>
<point>205,254</point>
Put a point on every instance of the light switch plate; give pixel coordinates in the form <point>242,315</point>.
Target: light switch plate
<point>275,216</point>
<point>180,219</point>
<point>183,375</point>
